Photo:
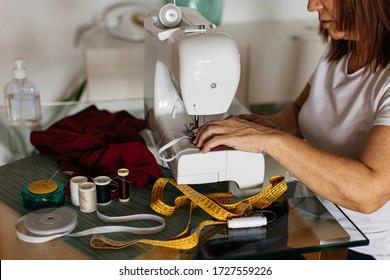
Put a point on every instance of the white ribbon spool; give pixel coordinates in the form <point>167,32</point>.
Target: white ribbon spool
<point>247,222</point>
<point>51,223</point>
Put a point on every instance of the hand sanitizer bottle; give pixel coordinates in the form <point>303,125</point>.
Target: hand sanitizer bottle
<point>22,98</point>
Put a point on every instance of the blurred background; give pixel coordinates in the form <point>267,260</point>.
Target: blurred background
<point>66,43</point>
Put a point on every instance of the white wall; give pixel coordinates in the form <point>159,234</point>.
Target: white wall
<point>259,10</point>
<point>44,31</point>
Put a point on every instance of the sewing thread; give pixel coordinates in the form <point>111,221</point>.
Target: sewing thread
<point>87,197</point>
<point>74,188</point>
<point>103,191</point>
<point>124,188</point>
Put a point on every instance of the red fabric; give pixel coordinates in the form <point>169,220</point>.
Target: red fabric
<point>96,142</point>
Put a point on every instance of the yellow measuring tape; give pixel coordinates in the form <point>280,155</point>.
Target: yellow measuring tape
<point>220,206</point>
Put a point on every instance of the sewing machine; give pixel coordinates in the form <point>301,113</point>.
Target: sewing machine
<point>192,71</point>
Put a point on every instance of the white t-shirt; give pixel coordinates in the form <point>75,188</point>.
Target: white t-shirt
<point>337,117</point>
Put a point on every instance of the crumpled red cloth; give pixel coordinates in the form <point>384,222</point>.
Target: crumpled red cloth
<point>97,142</point>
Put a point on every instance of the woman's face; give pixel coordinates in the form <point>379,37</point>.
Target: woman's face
<point>327,17</point>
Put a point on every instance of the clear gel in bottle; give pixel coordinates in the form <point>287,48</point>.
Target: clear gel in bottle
<point>22,98</point>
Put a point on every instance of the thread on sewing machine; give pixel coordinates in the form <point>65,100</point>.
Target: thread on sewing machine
<point>87,197</point>
<point>103,190</point>
<point>172,143</point>
<point>170,15</point>
<point>124,187</point>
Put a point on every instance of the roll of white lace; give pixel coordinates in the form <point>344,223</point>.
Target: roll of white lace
<point>51,223</point>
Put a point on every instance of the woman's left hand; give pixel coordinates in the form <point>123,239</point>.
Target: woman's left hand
<point>233,132</point>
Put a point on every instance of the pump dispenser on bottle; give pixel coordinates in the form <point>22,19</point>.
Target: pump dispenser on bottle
<point>22,98</point>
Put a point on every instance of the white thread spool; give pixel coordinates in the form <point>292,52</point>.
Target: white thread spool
<point>170,15</point>
<point>247,222</point>
<point>74,188</point>
<point>87,197</point>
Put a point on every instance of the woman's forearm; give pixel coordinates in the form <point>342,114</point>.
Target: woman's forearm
<point>357,184</point>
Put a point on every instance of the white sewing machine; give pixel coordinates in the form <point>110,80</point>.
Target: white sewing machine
<point>192,71</point>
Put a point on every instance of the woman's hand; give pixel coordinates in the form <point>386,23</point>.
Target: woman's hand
<point>267,121</point>
<point>234,132</point>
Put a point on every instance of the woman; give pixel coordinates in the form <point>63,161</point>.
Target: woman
<point>343,115</point>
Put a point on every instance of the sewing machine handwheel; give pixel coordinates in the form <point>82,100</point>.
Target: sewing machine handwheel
<point>170,15</point>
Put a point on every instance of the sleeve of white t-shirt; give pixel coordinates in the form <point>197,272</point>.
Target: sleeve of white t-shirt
<point>383,113</point>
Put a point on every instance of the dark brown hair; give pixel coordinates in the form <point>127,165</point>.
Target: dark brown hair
<point>368,20</point>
